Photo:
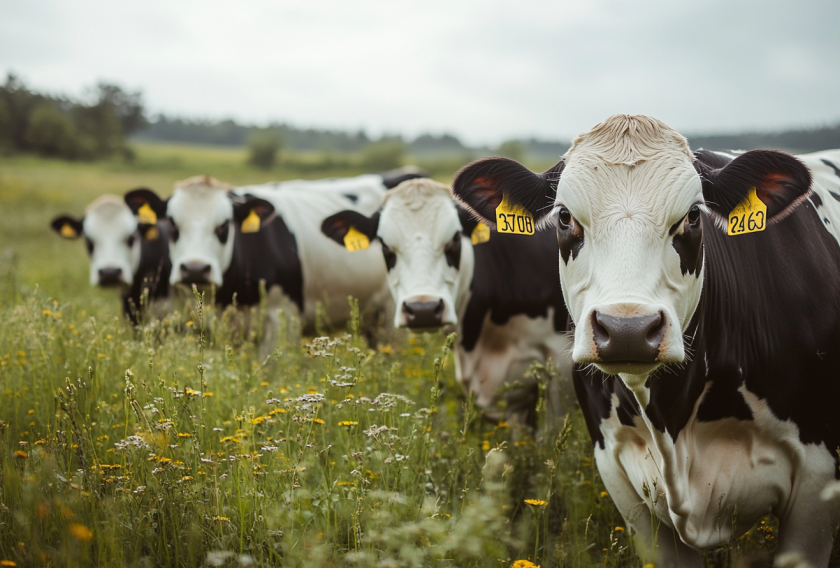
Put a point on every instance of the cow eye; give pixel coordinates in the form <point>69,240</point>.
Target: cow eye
<point>222,231</point>
<point>89,245</point>
<point>130,241</point>
<point>390,256</point>
<point>694,214</point>
<point>452,250</point>
<point>175,233</point>
<point>564,217</point>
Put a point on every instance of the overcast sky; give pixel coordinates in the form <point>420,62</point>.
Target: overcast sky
<point>484,70</point>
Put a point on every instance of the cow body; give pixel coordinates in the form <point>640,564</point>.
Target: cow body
<point>713,359</point>
<point>501,294</point>
<point>122,253</point>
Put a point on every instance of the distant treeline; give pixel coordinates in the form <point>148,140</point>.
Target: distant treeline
<point>60,126</point>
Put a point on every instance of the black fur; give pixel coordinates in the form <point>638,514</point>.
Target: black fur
<point>137,198</point>
<point>152,273</point>
<point>336,226</point>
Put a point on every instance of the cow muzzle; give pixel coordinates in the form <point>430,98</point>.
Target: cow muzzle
<point>633,339</point>
<point>110,277</point>
<point>419,315</point>
<point>195,273</point>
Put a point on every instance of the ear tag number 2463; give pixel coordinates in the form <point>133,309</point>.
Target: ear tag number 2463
<point>749,216</point>
<point>513,219</point>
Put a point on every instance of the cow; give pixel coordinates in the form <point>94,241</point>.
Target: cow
<point>123,253</point>
<point>500,291</point>
<point>704,293</point>
<point>236,238</point>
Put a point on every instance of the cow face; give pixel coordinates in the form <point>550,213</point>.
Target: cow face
<point>110,232</point>
<point>205,219</point>
<point>429,260</point>
<point>630,210</point>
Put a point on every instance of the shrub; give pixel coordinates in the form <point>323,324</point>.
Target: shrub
<point>263,149</point>
<point>383,155</point>
<point>51,132</point>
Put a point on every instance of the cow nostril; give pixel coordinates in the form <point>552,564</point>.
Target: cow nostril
<point>600,334</point>
<point>407,310</point>
<point>423,314</point>
<point>656,332</point>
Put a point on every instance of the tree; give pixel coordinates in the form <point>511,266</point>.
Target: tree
<point>263,148</point>
<point>51,132</point>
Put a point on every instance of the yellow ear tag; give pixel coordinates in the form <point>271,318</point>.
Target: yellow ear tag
<point>513,219</point>
<point>481,234</point>
<point>749,216</point>
<point>68,232</point>
<point>146,215</point>
<point>151,234</point>
<point>251,223</point>
<point>356,240</point>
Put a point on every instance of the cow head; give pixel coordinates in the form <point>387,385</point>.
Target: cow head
<point>110,232</point>
<point>429,260</point>
<point>205,218</point>
<point>630,206</point>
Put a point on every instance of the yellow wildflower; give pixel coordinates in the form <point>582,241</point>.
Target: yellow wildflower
<point>80,531</point>
<point>524,564</point>
<point>276,411</point>
<point>536,502</point>
<point>317,421</point>
<point>604,494</point>
<point>347,423</point>
<point>619,529</point>
<point>8,563</point>
<point>20,454</point>
<point>485,445</point>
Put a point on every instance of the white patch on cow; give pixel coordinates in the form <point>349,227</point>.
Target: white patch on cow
<point>826,182</point>
<point>110,225</point>
<point>418,219</point>
<point>330,272</point>
<point>627,181</point>
<point>198,206</point>
<point>759,466</point>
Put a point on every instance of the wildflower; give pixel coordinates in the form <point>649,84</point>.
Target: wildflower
<point>317,421</point>
<point>536,502</point>
<point>485,445</point>
<point>258,419</point>
<point>21,455</point>
<point>649,565</point>
<point>264,384</point>
<point>186,478</point>
<point>219,518</point>
<point>276,411</point>
<point>184,435</point>
<point>524,564</point>
<point>81,532</point>
<point>207,394</point>
<point>8,563</point>
<point>191,392</point>
<point>619,529</point>
<point>604,494</point>
<point>347,423</point>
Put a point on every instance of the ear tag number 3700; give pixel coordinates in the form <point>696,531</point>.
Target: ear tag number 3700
<point>749,216</point>
<point>513,219</point>
<point>356,240</point>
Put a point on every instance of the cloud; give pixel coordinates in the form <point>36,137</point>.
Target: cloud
<point>485,70</point>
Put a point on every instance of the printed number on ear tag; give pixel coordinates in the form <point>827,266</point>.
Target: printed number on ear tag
<point>146,215</point>
<point>513,219</point>
<point>749,216</point>
<point>251,223</point>
<point>356,240</point>
<point>68,232</point>
<point>481,234</point>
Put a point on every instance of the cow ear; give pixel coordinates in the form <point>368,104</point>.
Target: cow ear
<point>68,227</point>
<point>468,221</point>
<point>482,185</point>
<point>337,226</point>
<point>251,213</point>
<point>146,205</point>
<point>781,182</point>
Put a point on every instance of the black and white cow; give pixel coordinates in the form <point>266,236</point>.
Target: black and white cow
<point>500,291</point>
<point>123,253</point>
<point>714,383</point>
<point>234,238</point>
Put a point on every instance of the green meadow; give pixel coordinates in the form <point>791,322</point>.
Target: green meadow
<point>176,444</point>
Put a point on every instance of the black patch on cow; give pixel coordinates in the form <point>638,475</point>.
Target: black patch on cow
<point>137,198</point>
<point>223,231</point>
<point>514,274</point>
<point>836,172</point>
<point>569,235</point>
<point>468,220</point>
<point>352,197</point>
<point>481,185</point>
<point>816,199</point>
<point>152,273</point>
<point>389,255</point>
<point>452,251</point>
<point>689,247</point>
<point>269,254</point>
<point>595,392</point>
<point>392,179</point>
<point>723,399</point>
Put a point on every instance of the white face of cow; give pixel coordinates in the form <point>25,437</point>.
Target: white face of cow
<point>627,215</point>
<point>110,232</point>
<point>429,261</point>
<point>201,245</point>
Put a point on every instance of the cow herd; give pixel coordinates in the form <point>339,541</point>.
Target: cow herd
<point>695,320</point>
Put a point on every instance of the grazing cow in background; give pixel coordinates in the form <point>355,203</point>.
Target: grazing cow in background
<point>236,238</point>
<point>123,253</point>
<point>500,290</point>
<point>705,293</point>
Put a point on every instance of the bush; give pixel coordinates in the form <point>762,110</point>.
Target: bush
<point>512,149</point>
<point>51,132</point>
<point>383,155</point>
<point>263,149</point>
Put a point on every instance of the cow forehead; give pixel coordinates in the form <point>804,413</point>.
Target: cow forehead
<point>109,220</point>
<point>198,205</point>
<point>418,207</point>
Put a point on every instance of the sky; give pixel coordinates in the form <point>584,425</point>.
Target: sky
<point>483,70</point>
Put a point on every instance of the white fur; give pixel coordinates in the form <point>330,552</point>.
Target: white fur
<point>109,223</point>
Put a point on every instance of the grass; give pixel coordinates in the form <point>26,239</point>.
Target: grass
<point>177,445</point>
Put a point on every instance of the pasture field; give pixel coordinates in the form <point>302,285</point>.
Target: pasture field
<point>175,444</point>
